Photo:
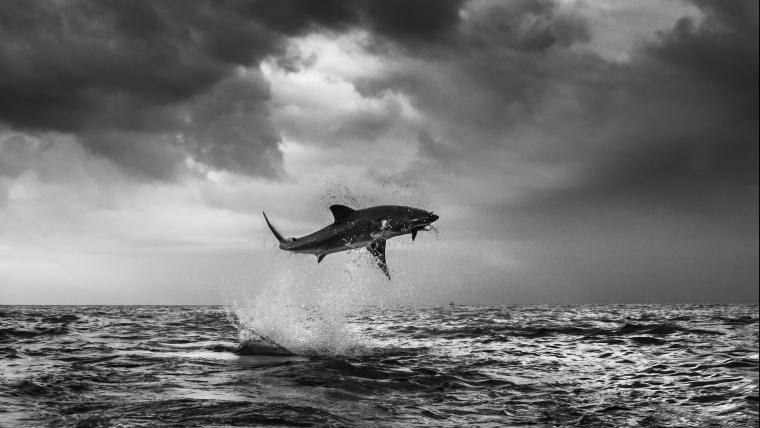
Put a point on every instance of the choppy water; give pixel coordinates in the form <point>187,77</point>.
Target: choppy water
<point>642,365</point>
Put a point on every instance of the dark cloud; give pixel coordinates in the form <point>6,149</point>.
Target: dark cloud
<point>495,75</point>
<point>415,22</point>
<point>148,84</point>
<point>722,50</point>
<point>681,112</point>
<point>139,153</point>
<point>694,118</point>
<point>525,25</point>
<point>129,76</point>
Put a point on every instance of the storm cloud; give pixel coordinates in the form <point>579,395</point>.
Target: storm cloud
<point>148,84</point>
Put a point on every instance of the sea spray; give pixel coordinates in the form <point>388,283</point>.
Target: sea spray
<point>393,189</point>
<point>305,307</point>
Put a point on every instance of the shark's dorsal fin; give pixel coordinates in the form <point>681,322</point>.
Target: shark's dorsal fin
<point>340,212</point>
<point>377,249</point>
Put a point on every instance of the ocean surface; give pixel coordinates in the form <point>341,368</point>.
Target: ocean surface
<point>613,365</point>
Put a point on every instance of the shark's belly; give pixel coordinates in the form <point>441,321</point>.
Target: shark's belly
<point>334,247</point>
<point>351,245</point>
<point>334,244</point>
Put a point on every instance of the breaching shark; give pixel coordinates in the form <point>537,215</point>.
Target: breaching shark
<point>369,227</point>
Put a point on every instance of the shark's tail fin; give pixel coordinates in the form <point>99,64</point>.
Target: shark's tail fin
<point>274,231</point>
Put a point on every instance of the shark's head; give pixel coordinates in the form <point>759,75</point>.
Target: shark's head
<point>407,219</point>
<point>422,218</point>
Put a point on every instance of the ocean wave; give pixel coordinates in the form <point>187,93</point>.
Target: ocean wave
<point>541,365</point>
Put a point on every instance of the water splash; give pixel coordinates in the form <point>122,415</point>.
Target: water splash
<point>305,309</point>
<point>392,189</point>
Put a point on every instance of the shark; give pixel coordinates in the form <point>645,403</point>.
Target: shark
<point>366,228</point>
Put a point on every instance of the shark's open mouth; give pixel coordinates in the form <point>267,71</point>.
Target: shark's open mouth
<point>430,228</point>
<point>424,228</point>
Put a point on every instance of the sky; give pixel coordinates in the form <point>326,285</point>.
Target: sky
<point>576,151</point>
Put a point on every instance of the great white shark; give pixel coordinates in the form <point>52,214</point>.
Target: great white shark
<point>369,227</point>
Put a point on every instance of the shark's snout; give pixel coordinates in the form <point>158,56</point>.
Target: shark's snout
<point>424,219</point>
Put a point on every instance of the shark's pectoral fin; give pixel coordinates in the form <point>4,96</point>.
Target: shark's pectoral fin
<point>320,257</point>
<point>377,249</point>
<point>415,230</point>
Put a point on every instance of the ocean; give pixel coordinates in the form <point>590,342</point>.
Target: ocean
<point>192,366</point>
